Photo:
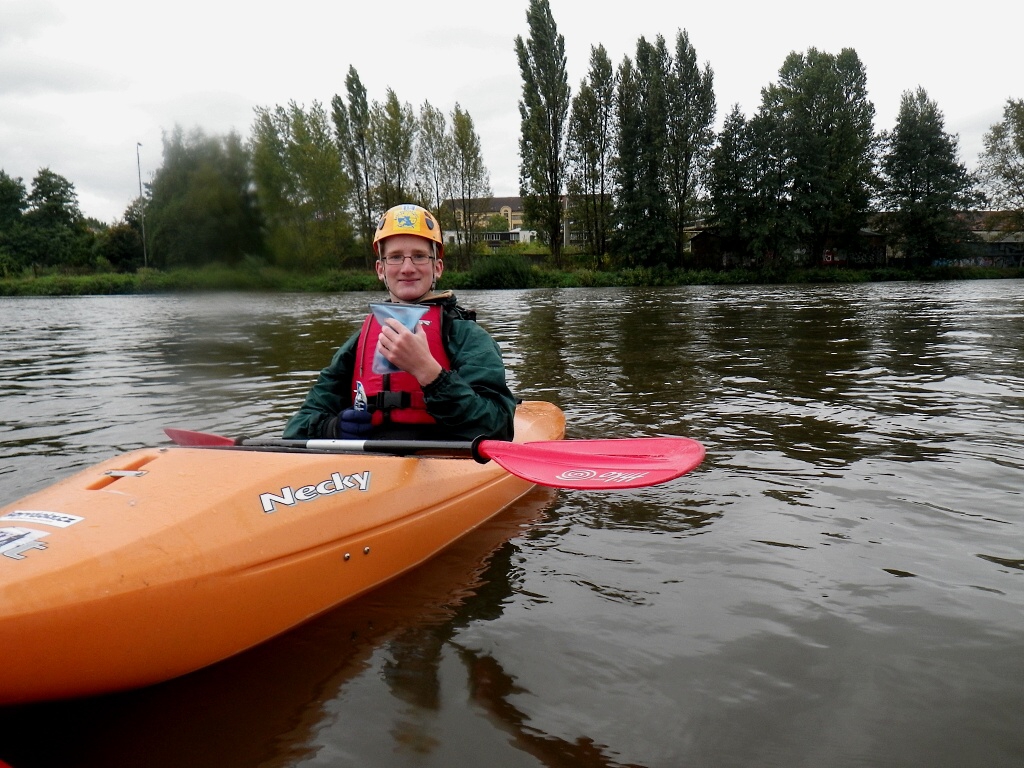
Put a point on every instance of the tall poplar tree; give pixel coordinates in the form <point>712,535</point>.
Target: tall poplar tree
<point>643,227</point>
<point>775,225</point>
<point>434,160</point>
<point>471,181</point>
<point>581,166</point>
<point>543,110</point>
<point>590,150</point>
<point>690,112</point>
<point>730,182</point>
<point>352,129</point>
<point>925,183</point>
<point>392,140</point>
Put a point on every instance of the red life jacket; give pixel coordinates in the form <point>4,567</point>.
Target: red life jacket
<point>397,397</point>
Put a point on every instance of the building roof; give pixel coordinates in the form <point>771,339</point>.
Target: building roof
<point>515,204</point>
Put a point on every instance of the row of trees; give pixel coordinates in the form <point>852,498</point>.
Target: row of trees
<point>303,191</point>
<point>636,153</point>
<point>43,227</point>
<point>629,149</point>
<point>633,155</point>
<point>306,189</point>
<point>394,156</point>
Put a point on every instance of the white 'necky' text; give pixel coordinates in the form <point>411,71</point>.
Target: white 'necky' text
<point>336,483</point>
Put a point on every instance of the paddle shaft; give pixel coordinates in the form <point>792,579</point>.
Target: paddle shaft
<point>447,447</point>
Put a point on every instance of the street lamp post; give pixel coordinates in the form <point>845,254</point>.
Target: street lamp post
<point>142,206</point>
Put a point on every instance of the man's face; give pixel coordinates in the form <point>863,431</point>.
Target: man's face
<point>407,281</point>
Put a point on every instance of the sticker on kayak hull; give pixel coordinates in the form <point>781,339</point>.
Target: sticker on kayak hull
<point>56,519</point>
<point>336,483</point>
<point>15,542</point>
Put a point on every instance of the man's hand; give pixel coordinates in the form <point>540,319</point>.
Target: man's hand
<point>409,351</point>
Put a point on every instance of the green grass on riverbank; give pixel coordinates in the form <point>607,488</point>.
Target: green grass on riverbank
<point>492,273</point>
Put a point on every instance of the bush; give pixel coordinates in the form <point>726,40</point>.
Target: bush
<point>334,281</point>
<point>501,271</point>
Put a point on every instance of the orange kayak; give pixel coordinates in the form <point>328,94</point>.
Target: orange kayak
<point>165,560</point>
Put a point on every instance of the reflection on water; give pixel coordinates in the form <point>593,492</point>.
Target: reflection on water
<point>839,584</point>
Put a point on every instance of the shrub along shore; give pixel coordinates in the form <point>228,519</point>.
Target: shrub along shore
<point>493,273</point>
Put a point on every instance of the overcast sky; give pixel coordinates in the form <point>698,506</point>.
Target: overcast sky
<point>82,81</point>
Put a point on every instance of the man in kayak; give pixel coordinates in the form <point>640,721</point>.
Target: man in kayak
<point>443,380</point>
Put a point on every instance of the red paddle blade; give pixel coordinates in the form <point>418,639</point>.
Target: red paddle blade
<point>187,437</point>
<point>598,464</point>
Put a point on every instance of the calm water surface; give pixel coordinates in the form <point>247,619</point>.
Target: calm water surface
<point>840,584</point>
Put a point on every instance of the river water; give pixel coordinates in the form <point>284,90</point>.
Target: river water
<point>841,583</point>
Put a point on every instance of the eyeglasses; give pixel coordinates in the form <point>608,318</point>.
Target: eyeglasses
<point>395,260</point>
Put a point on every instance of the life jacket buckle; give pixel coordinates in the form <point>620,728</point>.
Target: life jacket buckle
<point>389,401</point>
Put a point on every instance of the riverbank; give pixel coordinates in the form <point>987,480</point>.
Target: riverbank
<point>490,274</point>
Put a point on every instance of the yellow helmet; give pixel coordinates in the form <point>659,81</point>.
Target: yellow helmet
<point>408,219</point>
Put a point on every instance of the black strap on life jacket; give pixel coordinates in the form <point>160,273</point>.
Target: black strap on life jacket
<point>388,400</point>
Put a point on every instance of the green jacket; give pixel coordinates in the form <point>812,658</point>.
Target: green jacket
<point>470,400</point>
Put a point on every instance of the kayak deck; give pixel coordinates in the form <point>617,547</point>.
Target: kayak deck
<point>165,560</point>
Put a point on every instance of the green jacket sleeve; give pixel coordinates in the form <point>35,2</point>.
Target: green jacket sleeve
<point>472,399</point>
<point>329,396</point>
